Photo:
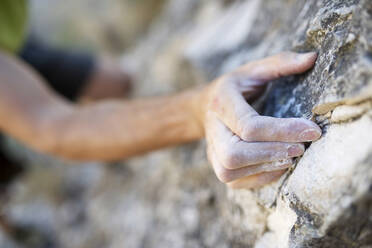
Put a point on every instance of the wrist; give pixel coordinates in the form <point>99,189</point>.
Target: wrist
<point>198,105</point>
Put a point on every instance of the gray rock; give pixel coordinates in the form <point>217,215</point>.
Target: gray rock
<point>325,200</point>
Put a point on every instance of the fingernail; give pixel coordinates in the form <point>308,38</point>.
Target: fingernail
<point>296,150</point>
<point>310,135</point>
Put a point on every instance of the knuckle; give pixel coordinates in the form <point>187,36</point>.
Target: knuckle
<point>215,103</point>
<point>230,78</point>
<point>250,126</point>
<point>215,100</point>
<point>248,129</point>
<point>234,79</point>
<point>222,83</point>
<point>230,159</point>
<point>224,175</point>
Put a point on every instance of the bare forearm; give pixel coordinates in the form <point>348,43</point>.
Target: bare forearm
<point>32,113</point>
<point>119,129</point>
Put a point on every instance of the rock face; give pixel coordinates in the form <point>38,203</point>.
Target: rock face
<point>171,198</point>
<point>325,200</point>
<point>321,203</point>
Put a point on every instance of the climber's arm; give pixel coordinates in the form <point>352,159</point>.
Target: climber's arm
<point>32,113</point>
<point>245,149</point>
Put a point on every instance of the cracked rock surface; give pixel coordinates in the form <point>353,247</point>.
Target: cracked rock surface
<point>321,203</point>
<point>171,198</point>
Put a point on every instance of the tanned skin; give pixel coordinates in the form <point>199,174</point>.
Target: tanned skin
<point>245,149</point>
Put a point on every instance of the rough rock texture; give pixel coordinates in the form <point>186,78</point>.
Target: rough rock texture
<point>171,198</point>
<point>325,201</point>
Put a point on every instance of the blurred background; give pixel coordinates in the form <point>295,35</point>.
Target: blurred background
<point>164,199</point>
<point>105,26</point>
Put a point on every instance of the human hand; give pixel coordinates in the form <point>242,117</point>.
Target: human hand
<point>248,150</point>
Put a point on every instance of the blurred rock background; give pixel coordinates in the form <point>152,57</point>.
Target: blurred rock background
<point>171,198</point>
<point>108,26</point>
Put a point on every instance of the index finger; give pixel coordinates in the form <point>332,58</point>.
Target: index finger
<point>232,109</point>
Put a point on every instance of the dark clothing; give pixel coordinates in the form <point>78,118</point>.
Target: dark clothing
<point>66,72</point>
<point>9,169</point>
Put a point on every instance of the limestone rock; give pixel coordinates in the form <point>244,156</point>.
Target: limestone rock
<point>323,201</point>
